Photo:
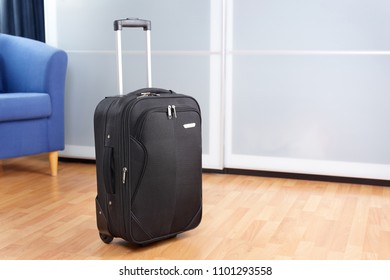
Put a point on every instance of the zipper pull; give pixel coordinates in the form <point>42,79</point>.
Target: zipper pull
<point>169,112</point>
<point>174,111</point>
<point>124,175</point>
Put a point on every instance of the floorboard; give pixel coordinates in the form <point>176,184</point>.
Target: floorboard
<point>244,217</point>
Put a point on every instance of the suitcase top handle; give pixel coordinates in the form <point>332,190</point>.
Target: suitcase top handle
<point>132,22</point>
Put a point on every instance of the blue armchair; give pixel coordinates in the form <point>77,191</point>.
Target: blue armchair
<point>32,85</point>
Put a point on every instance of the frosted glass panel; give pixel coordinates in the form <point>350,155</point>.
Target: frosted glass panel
<point>176,24</point>
<point>311,24</point>
<point>312,107</point>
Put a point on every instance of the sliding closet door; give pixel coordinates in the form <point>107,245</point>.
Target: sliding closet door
<point>287,86</point>
<point>186,57</point>
<point>308,87</point>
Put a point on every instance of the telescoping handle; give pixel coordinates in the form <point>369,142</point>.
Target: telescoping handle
<point>132,23</point>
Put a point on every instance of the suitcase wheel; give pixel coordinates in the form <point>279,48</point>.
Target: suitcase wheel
<point>106,238</point>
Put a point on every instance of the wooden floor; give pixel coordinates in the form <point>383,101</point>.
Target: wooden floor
<point>44,217</point>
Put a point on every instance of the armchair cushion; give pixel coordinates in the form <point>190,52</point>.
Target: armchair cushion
<point>22,106</point>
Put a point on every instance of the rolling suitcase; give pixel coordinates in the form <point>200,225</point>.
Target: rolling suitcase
<point>148,159</point>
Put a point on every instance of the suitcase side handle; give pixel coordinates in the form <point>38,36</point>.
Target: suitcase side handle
<point>132,22</point>
<point>109,170</point>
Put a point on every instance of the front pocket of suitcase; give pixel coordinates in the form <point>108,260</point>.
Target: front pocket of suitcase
<point>167,196</point>
<point>153,200</point>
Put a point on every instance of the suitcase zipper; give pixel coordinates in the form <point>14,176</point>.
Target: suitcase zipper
<point>169,112</point>
<point>174,111</point>
<point>124,172</point>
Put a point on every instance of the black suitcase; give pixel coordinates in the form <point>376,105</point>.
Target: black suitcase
<point>148,160</point>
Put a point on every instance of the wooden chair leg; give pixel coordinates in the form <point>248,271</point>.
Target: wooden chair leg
<point>53,159</point>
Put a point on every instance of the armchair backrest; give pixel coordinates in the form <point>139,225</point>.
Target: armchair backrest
<point>25,64</point>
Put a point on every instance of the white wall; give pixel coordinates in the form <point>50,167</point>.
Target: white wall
<point>290,86</point>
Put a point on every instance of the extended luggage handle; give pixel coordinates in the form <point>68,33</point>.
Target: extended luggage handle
<point>132,23</point>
